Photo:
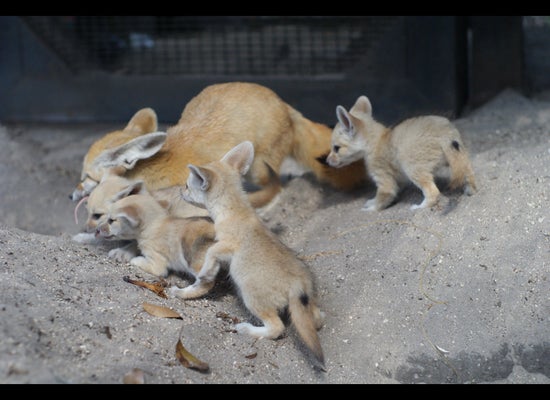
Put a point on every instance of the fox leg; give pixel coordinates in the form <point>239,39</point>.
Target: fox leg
<point>425,182</point>
<point>470,187</point>
<point>150,265</point>
<point>272,329</point>
<point>206,278</point>
<point>191,291</point>
<point>386,191</point>
<point>87,238</point>
<point>125,253</point>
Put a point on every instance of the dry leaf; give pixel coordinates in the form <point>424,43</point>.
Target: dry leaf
<point>157,287</point>
<point>251,356</point>
<point>160,311</point>
<point>135,376</point>
<point>188,360</point>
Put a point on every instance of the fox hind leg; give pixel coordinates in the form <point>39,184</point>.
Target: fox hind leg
<point>272,329</point>
<point>425,182</point>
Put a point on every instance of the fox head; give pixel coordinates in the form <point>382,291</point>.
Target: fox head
<point>121,223</point>
<point>111,189</point>
<point>125,218</point>
<point>209,182</point>
<point>118,151</point>
<point>347,140</point>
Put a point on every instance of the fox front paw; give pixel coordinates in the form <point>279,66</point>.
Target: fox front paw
<point>146,266</point>
<point>370,205</point>
<point>86,238</point>
<point>121,255</point>
<point>193,291</point>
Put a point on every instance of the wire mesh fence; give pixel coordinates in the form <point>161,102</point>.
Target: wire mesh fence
<point>205,46</point>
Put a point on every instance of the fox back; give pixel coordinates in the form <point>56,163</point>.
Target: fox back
<point>217,119</point>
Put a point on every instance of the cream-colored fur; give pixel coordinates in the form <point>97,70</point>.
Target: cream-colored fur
<point>268,275</point>
<point>109,190</point>
<point>166,242</point>
<point>414,151</point>
<point>213,122</point>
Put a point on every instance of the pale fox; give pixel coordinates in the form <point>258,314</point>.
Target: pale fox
<point>166,243</point>
<point>112,188</point>
<point>268,275</point>
<point>213,122</point>
<point>412,151</point>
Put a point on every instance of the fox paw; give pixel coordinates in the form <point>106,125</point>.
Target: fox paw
<point>146,266</point>
<point>370,205</point>
<point>188,292</point>
<point>121,255</point>
<point>244,328</point>
<point>86,238</point>
<point>174,291</point>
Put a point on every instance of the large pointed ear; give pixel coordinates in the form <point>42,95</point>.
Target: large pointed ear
<point>136,187</point>
<point>199,178</point>
<point>143,121</point>
<point>240,157</point>
<point>362,106</point>
<point>130,214</point>
<point>346,121</point>
<point>127,154</point>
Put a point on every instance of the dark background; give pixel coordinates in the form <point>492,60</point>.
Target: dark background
<point>104,68</point>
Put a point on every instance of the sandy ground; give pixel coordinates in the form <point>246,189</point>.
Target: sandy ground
<point>455,294</point>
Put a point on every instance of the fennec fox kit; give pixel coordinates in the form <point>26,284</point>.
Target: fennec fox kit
<point>166,242</point>
<point>411,151</point>
<point>110,190</point>
<point>268,275</point>
<point>213,122</point>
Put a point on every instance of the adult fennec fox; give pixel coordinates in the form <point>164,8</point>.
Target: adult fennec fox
<point>214,121</point>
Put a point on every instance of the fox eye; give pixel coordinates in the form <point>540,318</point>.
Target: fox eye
<point>110,221</point>
<point>96,216</point>
<point>335,148</point>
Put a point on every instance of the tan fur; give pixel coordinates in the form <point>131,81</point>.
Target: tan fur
<point>111,189</point>
<point>165,242</point>
<point>268,274</point>
<point>144,121</point>
<point>414,151</point>
<point>106,193</point>
<point>222,116</point>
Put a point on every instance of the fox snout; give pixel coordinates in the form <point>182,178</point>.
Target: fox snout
<point>103,231</point>
<point>91,225</point>
<point>83,189</point>
<point>332,160</point>
<point>78,193</point>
